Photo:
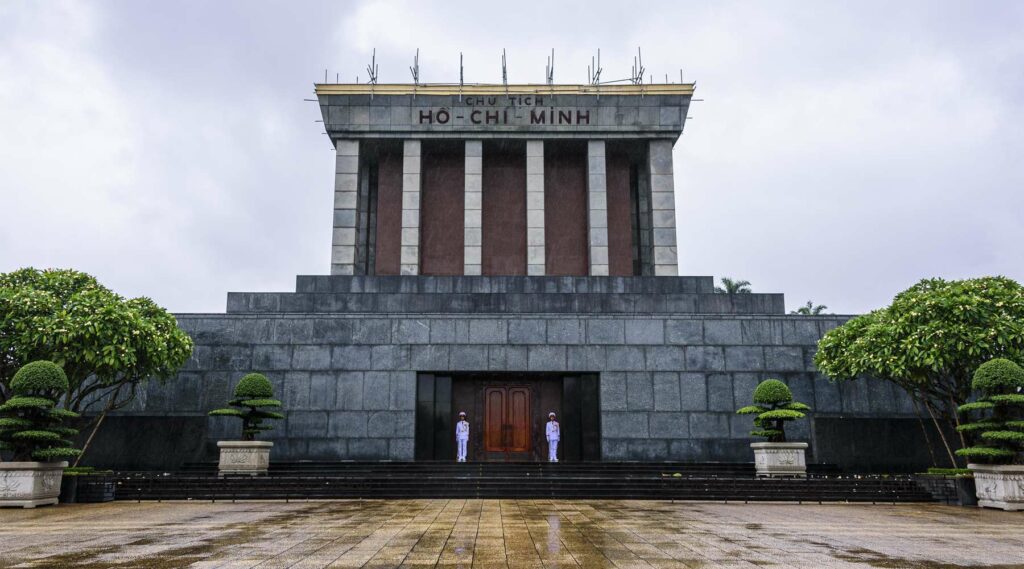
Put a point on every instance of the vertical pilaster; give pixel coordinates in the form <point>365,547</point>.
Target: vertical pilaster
<point>663,208</point>
<point>535,207</point>
<point>597,204</point>
<point>473,241</point>
<point>411,207</point>
<point>346,200</point>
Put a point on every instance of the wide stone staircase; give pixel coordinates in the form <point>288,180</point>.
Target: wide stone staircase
<point>604,480</point>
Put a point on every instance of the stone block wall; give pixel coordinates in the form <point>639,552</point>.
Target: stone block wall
<point>669,383</point>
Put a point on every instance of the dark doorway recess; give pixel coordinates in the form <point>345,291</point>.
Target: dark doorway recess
<point>507,413</point>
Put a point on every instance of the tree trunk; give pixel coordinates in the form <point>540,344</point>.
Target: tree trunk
<point>924,431</point>
<point>96,426</point>
<point>942,435</point>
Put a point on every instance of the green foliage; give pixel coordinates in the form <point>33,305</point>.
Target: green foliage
<point>253,397</point>
<point>1003,436</point>
<point>950,471</point>
<point>986,454</point>
<point>772,392</point>
<point>975,406</point>
<point>85,471</point>
<point>30,425</point>
<point>810,309</point>
<point>998,375</point>
<point>41,376</point>
<point>774,406</point>
<point>1007,399</point>
<point>733,286</point>
<point>106,345</point>
<point>1000,405</point>
<point>254,386</point>
<point>26,402</point>
<point>785,414</point>
<point>931,339</point>
<point>985,425</point>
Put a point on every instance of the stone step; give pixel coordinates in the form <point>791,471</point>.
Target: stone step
<point>505,303</point>
<point>154,486</point>
<point>503,284</point>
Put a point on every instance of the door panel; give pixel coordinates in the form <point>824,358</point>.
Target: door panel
<point>494,419</point>
<point>507,420</point>
<point>519,419</point>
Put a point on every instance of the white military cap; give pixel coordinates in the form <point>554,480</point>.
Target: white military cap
<point>462,413</point>
<point>551,414</point>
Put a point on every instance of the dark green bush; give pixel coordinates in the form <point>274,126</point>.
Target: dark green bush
<point>772,391</point>
<point>998,376</point>
<point>774,407</point>
<point>253,397</point>
<point>999,428</point>
<point>30,422</point>
<point>40,377</point>
<point>254,386</point>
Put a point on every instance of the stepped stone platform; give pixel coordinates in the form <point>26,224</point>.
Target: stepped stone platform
<point>659,481</point>
<point>669,360</point>
<point>505,295</point>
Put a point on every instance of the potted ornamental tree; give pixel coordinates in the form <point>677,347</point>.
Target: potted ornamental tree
<point>998,429</point>
<point>252,402</point>
<point>774,407</point>
<point>31,431</point>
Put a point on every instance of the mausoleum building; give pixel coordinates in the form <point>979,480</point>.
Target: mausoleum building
<point>508,251</point>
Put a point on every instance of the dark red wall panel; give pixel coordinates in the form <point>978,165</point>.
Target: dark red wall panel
<point>620,213</point>
<point>565,208</point>
<point>504,209</point>
<point>442,206</point>
<point>389,212</point>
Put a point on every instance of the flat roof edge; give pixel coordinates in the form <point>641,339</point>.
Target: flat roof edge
<point>499,89</point>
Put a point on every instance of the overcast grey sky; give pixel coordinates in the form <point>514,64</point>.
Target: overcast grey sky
<point>842,150</point>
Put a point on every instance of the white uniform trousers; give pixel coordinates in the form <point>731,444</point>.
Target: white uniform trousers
<point>462,449</point>
<point>552,450</point>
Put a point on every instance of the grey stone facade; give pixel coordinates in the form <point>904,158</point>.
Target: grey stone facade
<point>669,381</point>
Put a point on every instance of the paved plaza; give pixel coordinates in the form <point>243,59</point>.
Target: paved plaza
<point>508,533</point>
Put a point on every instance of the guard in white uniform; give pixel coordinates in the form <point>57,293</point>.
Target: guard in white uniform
<point>554,434</point>
<point>462,435</point>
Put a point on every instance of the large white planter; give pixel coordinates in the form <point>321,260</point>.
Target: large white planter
<point>244,457</point>
<point>999,486</point>
<point>780,459</point>
<point>30,484</point>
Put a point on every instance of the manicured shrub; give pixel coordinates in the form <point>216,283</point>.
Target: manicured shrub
<point>30,421</point>
<point>774,407</point>
<point>999,427</point>
<point>252,399</point>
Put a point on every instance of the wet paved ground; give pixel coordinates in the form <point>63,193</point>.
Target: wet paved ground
<point>508,533</point>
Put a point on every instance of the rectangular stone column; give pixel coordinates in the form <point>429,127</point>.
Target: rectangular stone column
<point>663,208</point>
<point>597,203</point>
<point>474,208</point>
<point>346,200</point>
<point>411,207</point>
<point>535,207</point>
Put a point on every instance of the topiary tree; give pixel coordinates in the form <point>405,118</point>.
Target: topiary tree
<point>253,396</point>
<point>774,407</point>
<point>930,341</point>
<point>30,421</point>
<point>1000,426</point>
<point>107,345</point>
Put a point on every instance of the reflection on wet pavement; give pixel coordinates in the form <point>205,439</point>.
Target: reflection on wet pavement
<point>508,533</point>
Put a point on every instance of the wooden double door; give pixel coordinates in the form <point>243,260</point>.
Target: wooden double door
<point>507,422</point>
<point>507,413</point>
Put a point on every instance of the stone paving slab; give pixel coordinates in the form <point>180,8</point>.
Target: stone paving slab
<point>508,534</point>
